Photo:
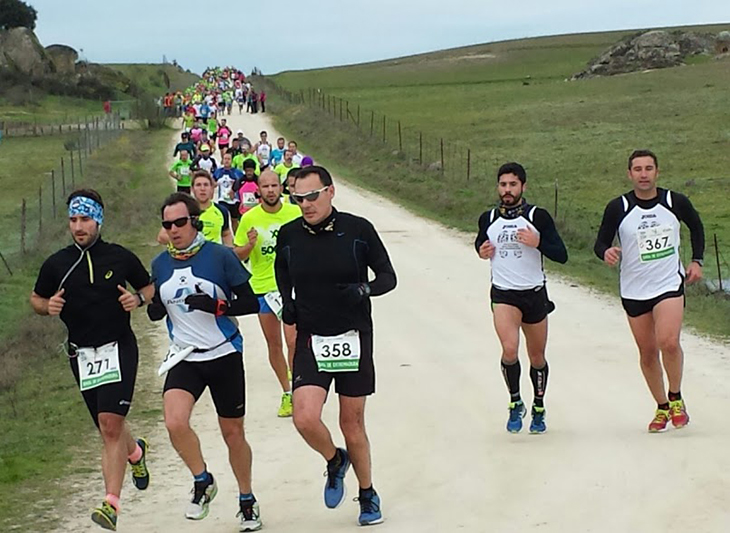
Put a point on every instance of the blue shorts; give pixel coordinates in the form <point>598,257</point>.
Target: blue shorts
<point>264,306</point>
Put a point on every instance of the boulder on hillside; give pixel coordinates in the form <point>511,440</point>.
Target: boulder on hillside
<point>650,50</point>
<point>21,51</point>
<point>64,58</point>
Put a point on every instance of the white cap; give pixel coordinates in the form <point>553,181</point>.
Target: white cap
<point>239,132</point>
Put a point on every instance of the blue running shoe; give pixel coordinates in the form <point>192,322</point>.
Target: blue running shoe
<point>370,513</point>
<point>335,490</point>
<point>538,420</point>
<point>517,412</point>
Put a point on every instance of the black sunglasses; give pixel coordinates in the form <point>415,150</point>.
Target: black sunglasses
<point>179,222</point>
<point>309,196</point>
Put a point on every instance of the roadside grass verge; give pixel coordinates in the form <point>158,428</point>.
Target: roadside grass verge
<point>46,430</point>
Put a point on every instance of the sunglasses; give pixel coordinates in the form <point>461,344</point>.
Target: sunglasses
<point>309,196</point>
<point>179,222</point>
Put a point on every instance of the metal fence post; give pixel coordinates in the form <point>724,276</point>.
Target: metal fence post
<point>73,178</point>
<point>443,167</point>
<point>63,178</point>
<point>40,209</point>
<point>468,164</point>
<point>53,192</point>
<point>400,138</point>
<point>420,148</point>
<point>22,227</point>
<point>717,259</point>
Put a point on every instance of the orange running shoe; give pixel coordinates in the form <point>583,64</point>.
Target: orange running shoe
<point>679,415</point>
<point>661,419</point>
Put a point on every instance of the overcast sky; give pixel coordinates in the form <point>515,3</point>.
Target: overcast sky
<point>283,34</point>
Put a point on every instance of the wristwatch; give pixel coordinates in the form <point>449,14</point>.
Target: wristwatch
<point>142,301</point>
<point>699,262</point>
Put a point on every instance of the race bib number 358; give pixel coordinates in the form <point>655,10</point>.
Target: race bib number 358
<point>339,353</point>
<point>99,366</point>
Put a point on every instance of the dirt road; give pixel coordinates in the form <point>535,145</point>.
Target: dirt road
<point>442,458</point>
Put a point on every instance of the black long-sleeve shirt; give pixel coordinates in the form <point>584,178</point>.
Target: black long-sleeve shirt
<point>317,264</point>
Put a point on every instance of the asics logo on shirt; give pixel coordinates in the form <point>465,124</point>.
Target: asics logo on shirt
<point>108,275</point>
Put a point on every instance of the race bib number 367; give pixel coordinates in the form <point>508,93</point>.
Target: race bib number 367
<point>655,243</point>
<point>339,353</point>
<point>99,366</point>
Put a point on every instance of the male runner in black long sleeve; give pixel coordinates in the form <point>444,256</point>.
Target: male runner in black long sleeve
<point>515,236</point>
<point>322,262</point>
<point>652,277</point>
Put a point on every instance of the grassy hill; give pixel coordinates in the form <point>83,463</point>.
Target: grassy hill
<point>153,78</point>
<point>510,101</point>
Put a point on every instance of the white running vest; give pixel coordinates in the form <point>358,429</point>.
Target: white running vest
<point>650,261</point>
<point>515,266</point>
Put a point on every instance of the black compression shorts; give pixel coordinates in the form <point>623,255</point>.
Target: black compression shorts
<point>636,308</point>
<point>534,303</point>
<point>115,398</point>
<point>353,384</point>
<point>224,377</point>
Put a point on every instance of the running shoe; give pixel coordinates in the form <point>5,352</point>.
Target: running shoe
<point>106,516</point>
<point>203,494</point>
<point>659,424</point>
<point>140,473</point>
<point>517,412</point>
<point>286,408</point>
<point>250,516</point>
<point>538,420</point>
<point>370,513</point>
<point>335,490</point>
<point>678,414</point>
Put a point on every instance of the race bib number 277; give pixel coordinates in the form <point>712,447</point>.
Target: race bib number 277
<point>99,366</point>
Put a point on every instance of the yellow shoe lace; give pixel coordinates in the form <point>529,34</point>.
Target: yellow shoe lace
<point>661,416</point>
<point>139,469</point>
<point>677,407</point>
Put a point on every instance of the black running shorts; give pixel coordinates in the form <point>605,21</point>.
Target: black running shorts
<point>233,210</point>
<point>353,384</point>
<point>534,303</point>
<point>223,376</point>
<point>115,398</point>
<point>636,308</point>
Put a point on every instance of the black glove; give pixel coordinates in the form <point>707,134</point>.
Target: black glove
<point>354,293</point>
<point>156,311</point>
<point>289,314</point>
<point>201,301</point>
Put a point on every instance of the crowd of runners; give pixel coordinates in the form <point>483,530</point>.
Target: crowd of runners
<point>252,230</point>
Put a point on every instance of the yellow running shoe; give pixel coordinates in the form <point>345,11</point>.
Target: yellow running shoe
<point>679,415</point>
<point>661,419</point>
<point>106,516</point>
<point>285,409</point>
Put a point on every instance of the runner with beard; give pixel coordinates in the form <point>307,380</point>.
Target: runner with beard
<point>515,236</point>
<point>256,241</point>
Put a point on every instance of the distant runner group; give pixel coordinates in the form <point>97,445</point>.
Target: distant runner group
<point>252,229</point>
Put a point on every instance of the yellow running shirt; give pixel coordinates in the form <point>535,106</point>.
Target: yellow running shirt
<point>263,254</point>
<point>215,219</point>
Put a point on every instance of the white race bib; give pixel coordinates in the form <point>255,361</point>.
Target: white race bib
<point>175,354</point>
<point>339,353</point>
<point>99,366</point>
<point>249,199</point>
<point>655,243</point>
<point>275,302</point>
<point>184,171</point>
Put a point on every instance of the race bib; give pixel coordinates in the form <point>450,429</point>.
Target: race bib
<point>249,199</point>
<point>174,355</point>
<point>99,366</point>
<point>655,243</point>
<point>273,299</point>
<point>184,171</point>
<point>339,353</point>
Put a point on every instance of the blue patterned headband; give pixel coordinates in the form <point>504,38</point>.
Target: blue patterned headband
<point>86,207</point>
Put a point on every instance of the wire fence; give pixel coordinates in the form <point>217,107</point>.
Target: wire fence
<point>39,207</point>
<point>457,163</point>
<point>36,128</point>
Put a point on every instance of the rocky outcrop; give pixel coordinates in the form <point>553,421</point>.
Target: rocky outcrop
<point>650,50</point>
<point>64,58</point>
<point>21,51</point>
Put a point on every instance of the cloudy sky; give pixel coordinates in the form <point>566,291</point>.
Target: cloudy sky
<point>283,34</point>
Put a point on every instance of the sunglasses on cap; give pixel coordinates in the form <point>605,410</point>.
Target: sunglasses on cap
<point>179,222</point>
<point>309,196</point>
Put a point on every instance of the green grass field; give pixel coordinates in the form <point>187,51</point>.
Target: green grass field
<point>49,109</point>
<point>576,134</point>
<point>151,77</point>
<point>46,431</point>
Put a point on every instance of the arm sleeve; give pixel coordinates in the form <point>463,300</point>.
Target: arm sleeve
<point>688,214</point>
<point>481,237</point>
<point>176,150</point>
<point>246,302</point>
<point>379,262</point>
<point>551,245</point>
<point>609,227</point>
<point>137,274</point>
<point>281,269</point>
<point>47,282</point>
<point>156,310</point>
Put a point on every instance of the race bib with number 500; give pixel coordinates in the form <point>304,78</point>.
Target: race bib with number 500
<point>339,353</point>
<point>99,366</point>
<point>655,243</point>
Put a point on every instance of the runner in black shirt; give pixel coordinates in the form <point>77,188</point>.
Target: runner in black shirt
<point>85,284</point>
<point>322,262</point>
